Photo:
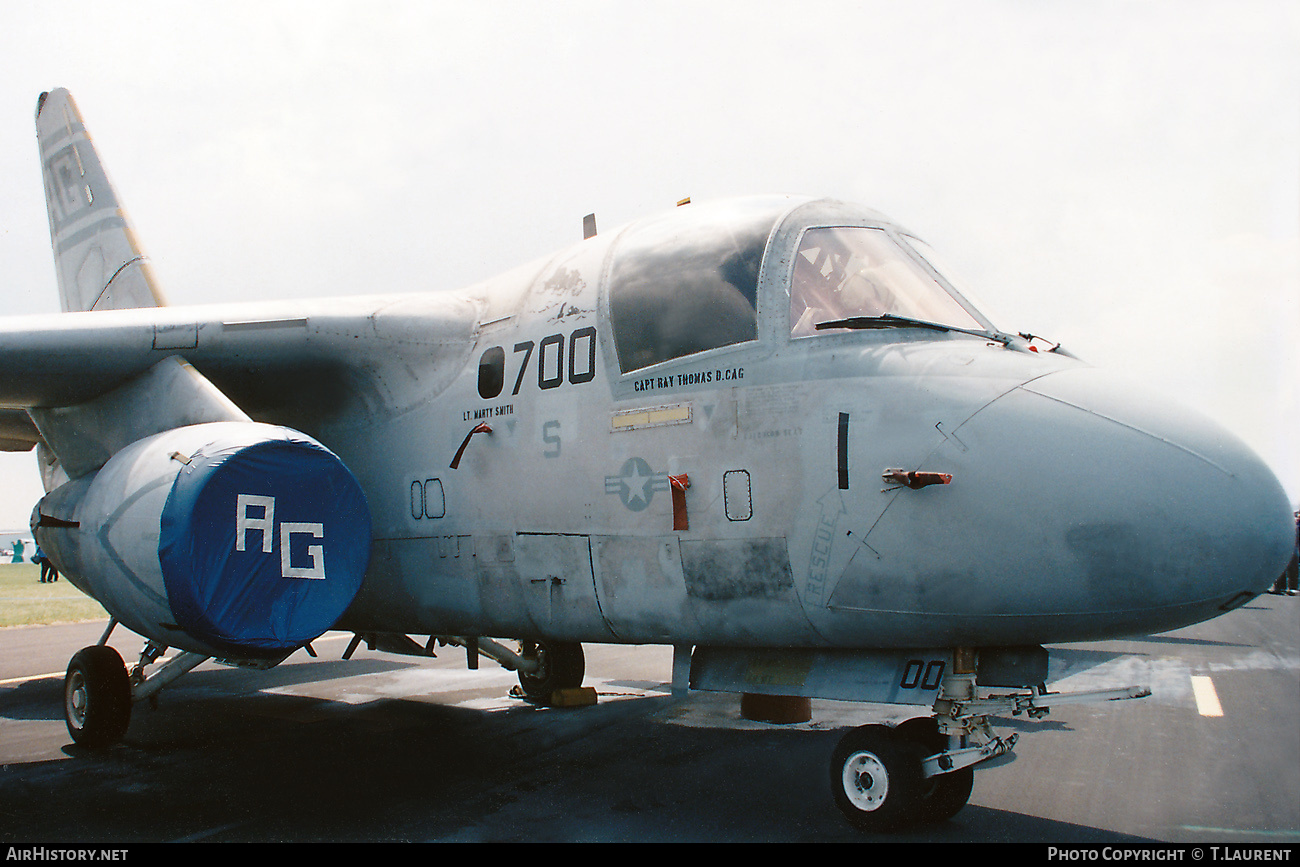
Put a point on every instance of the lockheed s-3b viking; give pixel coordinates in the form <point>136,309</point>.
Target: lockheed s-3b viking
<point>770,432</point>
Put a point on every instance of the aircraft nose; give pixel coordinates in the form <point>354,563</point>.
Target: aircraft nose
<point>1079,508</point>
<point>1165,508</point>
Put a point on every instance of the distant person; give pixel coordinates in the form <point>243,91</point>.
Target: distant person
<point>1293,573</point>
<point>48,573</point>
<point>1287,581</point>
<point>18,551</point>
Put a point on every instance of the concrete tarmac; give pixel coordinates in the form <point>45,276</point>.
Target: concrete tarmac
<point>395,748</point>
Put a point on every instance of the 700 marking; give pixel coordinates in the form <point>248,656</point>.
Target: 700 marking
<point>550,359</point>
<point>551,367</point>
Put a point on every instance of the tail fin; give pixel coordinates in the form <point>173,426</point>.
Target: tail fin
<point>96,257</point>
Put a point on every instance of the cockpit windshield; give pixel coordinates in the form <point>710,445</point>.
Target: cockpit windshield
<point>861,277</point>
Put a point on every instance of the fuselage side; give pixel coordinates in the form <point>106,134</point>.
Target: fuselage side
<point>1075,510</point>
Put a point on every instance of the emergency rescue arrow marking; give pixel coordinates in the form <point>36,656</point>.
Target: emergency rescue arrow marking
<point>819,563</point>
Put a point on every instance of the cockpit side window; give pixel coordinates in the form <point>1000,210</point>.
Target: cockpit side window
<point>687,283</point>
<point>849,272</point>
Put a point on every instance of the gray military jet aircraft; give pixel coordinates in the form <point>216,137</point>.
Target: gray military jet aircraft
<point>768,432</point>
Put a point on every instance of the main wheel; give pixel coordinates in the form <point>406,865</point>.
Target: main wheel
<point>876,778</point>
<point>97,697</point>
<point>562,666</point>
<point>942,796</point>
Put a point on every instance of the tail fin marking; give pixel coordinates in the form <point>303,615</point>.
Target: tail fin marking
<point>97,259</point>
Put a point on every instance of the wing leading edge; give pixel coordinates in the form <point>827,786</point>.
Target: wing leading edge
<point>301,363</point>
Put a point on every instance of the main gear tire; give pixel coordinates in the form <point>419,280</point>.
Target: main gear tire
<point>562,665</point>
<point>97,697</point>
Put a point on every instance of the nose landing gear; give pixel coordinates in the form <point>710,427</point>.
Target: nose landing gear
<point>885,779</point>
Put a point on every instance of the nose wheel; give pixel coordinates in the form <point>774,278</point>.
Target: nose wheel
<point>943,795</point>
<point>876,777</point>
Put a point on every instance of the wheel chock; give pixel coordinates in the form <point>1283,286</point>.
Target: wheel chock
<point>578,696</point>
<point>779,709</point>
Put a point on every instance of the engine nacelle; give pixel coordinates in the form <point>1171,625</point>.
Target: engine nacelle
<point>228,539</point>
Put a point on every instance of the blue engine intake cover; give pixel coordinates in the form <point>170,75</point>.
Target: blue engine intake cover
<point>263,544</point>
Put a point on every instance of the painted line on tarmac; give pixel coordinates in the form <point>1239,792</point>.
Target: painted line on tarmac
<point>1283,833</point>
<point>25,678</point>
<point>12,681</point>
<point>1207,700</point>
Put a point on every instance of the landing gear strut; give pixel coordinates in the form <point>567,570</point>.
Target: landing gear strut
<point>98,692</point>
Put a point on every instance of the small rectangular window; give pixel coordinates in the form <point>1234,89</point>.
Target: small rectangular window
<point>737,500</point>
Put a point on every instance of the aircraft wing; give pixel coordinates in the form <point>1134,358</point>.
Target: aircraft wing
<point>300,362</point>
<point>17,433</point>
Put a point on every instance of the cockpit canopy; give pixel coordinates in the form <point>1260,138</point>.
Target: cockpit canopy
<point>687,281</point>
<point>695,279</point>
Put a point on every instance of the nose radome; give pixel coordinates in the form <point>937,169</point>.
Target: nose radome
<point>1112,398</point>
<point>1166,495</point>
<point>1078,509</point>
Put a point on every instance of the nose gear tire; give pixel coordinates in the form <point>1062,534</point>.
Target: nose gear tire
<point>876,779</point>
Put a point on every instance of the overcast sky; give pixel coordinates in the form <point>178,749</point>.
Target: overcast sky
<point>1123,177</point>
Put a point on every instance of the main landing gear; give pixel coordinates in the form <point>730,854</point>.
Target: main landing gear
<point>544,667</point>
<point>560,665</point>
<point>98,691</point>
<point>97,697</point>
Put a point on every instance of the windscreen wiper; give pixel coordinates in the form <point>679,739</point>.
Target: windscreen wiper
<point>889,320</point>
